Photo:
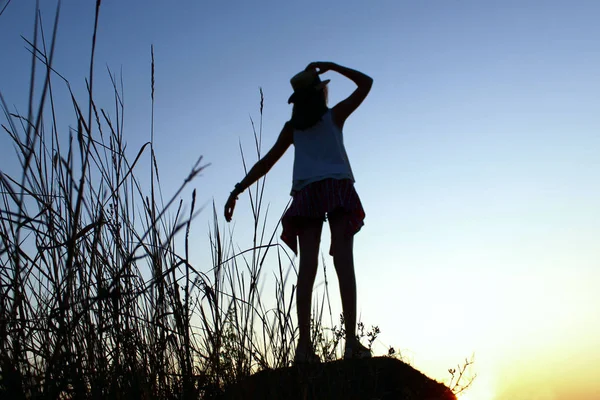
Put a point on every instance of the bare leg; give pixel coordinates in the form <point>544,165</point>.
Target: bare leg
<point>343,260</point>
<point>309,239</point>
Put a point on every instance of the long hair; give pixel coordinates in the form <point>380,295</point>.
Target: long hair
<point>309,108</point>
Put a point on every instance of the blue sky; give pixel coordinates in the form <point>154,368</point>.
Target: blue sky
<point>475,155</point>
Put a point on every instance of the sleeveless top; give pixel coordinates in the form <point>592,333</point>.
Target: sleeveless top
<point>319,153</point>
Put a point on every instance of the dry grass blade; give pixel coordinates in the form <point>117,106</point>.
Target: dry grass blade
<point>4,8</point>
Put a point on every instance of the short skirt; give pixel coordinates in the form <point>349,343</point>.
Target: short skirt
<point>318,200</point>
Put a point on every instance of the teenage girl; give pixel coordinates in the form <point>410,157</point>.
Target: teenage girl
<point>322,190</point>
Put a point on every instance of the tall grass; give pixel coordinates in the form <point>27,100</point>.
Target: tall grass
<point>78,314</point>
<point>99,297</point>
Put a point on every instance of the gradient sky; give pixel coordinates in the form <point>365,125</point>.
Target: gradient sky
<point>476,156</point>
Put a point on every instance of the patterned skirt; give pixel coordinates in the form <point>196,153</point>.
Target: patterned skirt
<point>318,199</point>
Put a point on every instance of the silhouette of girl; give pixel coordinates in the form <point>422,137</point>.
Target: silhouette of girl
<point>322,189</point>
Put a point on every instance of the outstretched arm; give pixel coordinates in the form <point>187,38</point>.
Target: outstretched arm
<point>347,106</point>
<point>285,139</point>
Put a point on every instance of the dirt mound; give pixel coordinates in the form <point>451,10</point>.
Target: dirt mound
<point>371,379</point>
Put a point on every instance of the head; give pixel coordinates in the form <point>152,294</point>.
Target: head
<point>309,98</point>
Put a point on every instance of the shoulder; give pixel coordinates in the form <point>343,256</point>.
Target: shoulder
<point>337,118</point>
<point>287,132</point>
<point>287,127</point>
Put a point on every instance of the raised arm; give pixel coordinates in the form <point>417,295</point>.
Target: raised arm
<point>344,108</point>
<point>262,166</point>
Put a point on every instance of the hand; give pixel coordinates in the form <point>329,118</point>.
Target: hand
<point>321,66</point>
<point>229,206</point>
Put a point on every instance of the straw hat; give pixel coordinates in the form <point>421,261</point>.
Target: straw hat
<point>304,81</point>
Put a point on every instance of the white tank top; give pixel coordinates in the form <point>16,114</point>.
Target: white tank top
<point>319,153</point>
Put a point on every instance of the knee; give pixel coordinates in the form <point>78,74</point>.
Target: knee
<point>341,247</point>
<point>308,264</point>
<point>309,261</point>
<point>309,252</point>
<point>343,263</point>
